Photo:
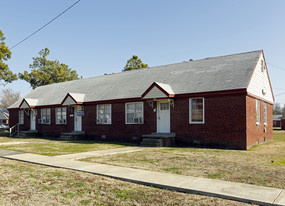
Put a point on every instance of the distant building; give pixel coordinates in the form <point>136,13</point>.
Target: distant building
<point>4,116</point>
<point>277,120</point>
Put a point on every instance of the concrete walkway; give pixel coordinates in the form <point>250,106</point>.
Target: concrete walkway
<point>196,185</point>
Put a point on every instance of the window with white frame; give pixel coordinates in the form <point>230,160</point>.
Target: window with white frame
<point>257,112</point>
<point>21,116</point>
<point>104,114</point>
<point>197,107</point>
<point>265,113</point>
<point>60,115</point>
<point>134,113</point>
<point>45,114</point>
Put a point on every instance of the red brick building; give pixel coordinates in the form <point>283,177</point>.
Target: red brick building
<point>222,101</point>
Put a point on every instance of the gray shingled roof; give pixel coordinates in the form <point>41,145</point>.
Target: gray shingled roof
<point>4,114</point>
<point>204,75</point>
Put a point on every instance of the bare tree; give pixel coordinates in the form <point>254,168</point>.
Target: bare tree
<point>8,97</point>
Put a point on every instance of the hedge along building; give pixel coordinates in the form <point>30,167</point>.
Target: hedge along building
<point>222,101</point>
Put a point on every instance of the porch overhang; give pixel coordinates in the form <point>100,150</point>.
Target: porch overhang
<point>73,99</point>
<point>158,90</point>
<point>28,103</point>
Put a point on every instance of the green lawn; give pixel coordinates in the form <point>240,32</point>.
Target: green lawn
<point>261,165</point>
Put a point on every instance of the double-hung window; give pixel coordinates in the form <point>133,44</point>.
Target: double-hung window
<point>265,113</point>
<point>104,114</point>
<point>258,112</point>
<point>45,114</point>
<point>60,114</point>
<point>134,113</point>
<point>21,116</point>
<point>197,109</point>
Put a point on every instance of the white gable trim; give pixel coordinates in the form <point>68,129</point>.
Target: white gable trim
<point>24,105</point>
<point>28,103</point>
<point>155,92</point>
<point>259,85</point>
<point>69,101</point>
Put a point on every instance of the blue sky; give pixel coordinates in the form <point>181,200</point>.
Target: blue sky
<point>97,37</point>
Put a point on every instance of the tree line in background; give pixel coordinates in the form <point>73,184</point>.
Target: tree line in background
<point>278,109</point>
<point>43,72</point>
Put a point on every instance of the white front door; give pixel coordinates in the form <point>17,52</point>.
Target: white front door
<point>33,120</point>
<point>77,118</point>
<point>163,116</point>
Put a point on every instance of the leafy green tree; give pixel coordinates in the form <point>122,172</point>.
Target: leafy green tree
<point>5,73</point>
<point>46,71</point>
<point>134,63</point>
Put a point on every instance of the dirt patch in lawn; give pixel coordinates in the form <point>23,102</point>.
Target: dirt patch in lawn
<point>28,184</point>
<point>261,165</point>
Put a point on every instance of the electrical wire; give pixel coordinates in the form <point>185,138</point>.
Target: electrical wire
<point>45,25</point>
<point>276,66</point>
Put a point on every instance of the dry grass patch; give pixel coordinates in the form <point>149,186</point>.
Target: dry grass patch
<point>54,148</point>
<point>28,184</point>
<point>4,137</point>
<point>261,165</point>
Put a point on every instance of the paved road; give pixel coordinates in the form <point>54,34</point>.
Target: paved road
<point>218,188</point>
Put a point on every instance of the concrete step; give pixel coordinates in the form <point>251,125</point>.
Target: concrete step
<point>159,135</point>
<point>71,136</point>
<point>149,144</point>
<point>65,137</point>
<point>152,140</point>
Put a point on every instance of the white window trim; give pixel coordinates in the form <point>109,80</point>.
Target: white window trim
<point>190,109</point>
<point>97,116</point>
<point>42,115</point>
<point>126,119</point>
<point>257,120</point>
<point>21,112</point>
<point>61,115</point>
<point>265,113</point>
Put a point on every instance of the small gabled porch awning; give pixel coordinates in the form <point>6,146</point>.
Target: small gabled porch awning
<point>73,99</point>
<point>28,103</point>
<point>158,90</point>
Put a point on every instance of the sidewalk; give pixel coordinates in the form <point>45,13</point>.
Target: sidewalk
<point>210,187</point>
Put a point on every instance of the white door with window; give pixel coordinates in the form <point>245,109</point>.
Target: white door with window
<point>78,118</point>
<point>33,120</point>
<point>163,116</point>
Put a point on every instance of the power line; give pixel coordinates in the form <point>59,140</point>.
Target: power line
<point>276,66</point>
<point>278,88</point>
<point>45,25</point>
<point>279,94</point>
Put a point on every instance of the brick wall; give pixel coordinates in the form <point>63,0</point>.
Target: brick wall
<point>118,130</point>
<point>225,122</point>
<point>282,124</point>
<point>229,123</point>
<point>53,128</point>
<point>257,134</point>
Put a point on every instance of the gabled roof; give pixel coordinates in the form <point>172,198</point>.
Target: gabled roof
<point>158,90</point>
<point>28,103</point>
<point>73,99</point>
<point>4,114</point>
<point>222,73</point>
<point>277,117</point>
